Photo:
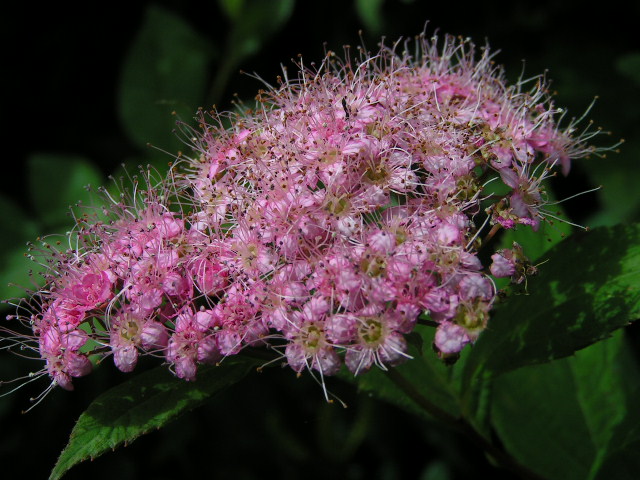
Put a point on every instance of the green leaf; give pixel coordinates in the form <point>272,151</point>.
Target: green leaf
<point>561,419</point>
<point>137,174</point>
<point>165,71</point>
<point>370,13</point>
<point>146,402</point>
<point>254,21</point>
<point>622,460</point>
<point>629,65</point>
<point>619,197</point>
<point>589,287</point>
<point>437,470</point>
<point>15,268</point>
<point>17,227</point>
<point>535,244</point>
<point>231,8</point>
<point>17,274</point>
<point>550,233</point>
<point>56,182</point>
<point>426,376</point>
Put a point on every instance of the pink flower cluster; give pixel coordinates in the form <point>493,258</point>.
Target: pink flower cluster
<point>348,206</point>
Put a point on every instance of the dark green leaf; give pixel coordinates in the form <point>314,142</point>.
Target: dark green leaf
<point>436,470</point>
<point>254,21</point>
<point>165,71</point>
<point>17,274</point>
<point>589,288</point>
<point>425,375</point>
<point>16,229</point>
<point>622,460</point>
<point>141,404</point>
<point>560,419</point>
<point>538,418</point>
<point>629,65</point>
<point>57,182</point>
<point>231,8</point>
<point>137,174</point>
<point>370,13</point>
<point>535,244</point>
<point>619,197</point>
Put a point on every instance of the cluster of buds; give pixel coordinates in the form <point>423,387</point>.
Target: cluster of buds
<point>324,224</point>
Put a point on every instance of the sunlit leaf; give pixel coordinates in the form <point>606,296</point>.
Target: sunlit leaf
<point>587,289</point>
<point>137,406</point>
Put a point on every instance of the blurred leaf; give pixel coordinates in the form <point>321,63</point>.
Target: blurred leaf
<point>426,375</point>
<point>165,71</point>
<point>619,196</point>
<point>231,8</point>
<point>57,182</point>
<point>550,233</point>
<point>629,65</point>
<point>137,406</point>
<point>339,438</point>
<point>589,288</point>
<point>134,174</point>
<point>436,470</point>
<point>370,13</point>
<point>560,419</point>
<point>254,21</point>
<point>535,244</point>
<point>17,273</point>
<point>622,460</point>
<point>16,229</point>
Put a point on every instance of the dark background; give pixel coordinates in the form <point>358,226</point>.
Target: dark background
<point>60,84</point>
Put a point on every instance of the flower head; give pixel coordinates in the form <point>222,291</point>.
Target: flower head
<point>326,222</point>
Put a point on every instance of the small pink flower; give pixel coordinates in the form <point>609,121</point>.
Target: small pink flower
<point>210,277</point>
<point>129,333</point>
<point>502,266</point>
<point>60,350</point>
<point>376,344</point>
<point>450,338</point>
<point>177,285</point>
<point>94,289</point>
<point>191,344</point>
<point>474,286</point>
